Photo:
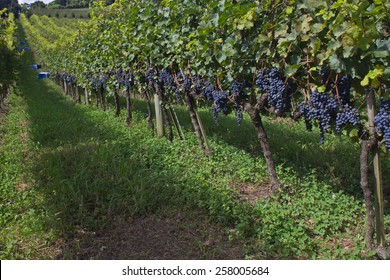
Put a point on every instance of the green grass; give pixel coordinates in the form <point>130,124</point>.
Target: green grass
<point>68,167</point>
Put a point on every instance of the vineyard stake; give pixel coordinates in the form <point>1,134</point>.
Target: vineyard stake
<point>159,116</point>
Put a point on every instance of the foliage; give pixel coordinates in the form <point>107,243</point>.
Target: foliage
<point>227,41</point>
<point>11,6</point>
<point>85,169</point>
<point>214,51</point>
<point>8,54</point>
<point>37,5</point>
<point>306,220</point>
<point>68,4</point>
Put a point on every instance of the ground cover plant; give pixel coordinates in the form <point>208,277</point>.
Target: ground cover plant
<point>267,183</point>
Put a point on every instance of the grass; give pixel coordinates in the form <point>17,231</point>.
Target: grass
<point>68,168</point>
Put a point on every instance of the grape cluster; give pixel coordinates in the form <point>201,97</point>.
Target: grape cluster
<point>169,83</point>
<point>151,74</point>
<point>262,79</point>
<point>221,99</point>
<point>128,80</point>
<point>198,84</point>
<point>208,90</point>
<point>274,83</point>
<point>119,76</point>
<point>98,82</point>
<point>239,113</point>
<point>321,108</point>
<point>347,115</point>
<point>185,82</point>
<point>67,78</point>
<point>125,79</point>
<point>71,79</point>
<point>344,88</point>
<point>167,80</point>
<point>277,93</point>
<point>237,89</point>
<point>304,109</point>
<point>334,104</point>
<point>382,121</point>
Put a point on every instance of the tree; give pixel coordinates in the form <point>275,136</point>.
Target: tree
<point>69,4</point>
<point>38,5</point>
<point>12,6</point>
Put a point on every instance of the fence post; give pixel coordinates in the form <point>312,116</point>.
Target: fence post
<point>159,116</point>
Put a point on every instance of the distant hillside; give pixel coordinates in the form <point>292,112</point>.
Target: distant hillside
<point>61,4</point>
<point>61,13</point>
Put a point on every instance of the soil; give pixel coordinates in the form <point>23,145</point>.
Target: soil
<point>252,192</point>
<point>167,235</point>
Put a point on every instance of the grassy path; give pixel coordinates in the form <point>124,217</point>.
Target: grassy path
<point>76,187</point>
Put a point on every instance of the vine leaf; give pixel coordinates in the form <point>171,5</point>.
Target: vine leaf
<point>373,75</point>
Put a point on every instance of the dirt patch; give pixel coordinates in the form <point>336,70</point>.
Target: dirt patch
<point>251,192</point>
<point>21,186</point>
<point>165,235</point>
<point>282,120</point>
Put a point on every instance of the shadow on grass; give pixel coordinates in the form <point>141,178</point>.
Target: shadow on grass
<point>92,174</point>
<point>89,174</point>
<point>336,161</point>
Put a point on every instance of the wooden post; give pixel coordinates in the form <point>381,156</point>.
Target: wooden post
<point>176,122</point>
<point>129,115</point>
<point>78,93</point>
<point>86,101</point>
<point>159,116</point>
<point>86,97</point>
<point>116,102</point>
<point>379,203</point>
<point>102,98</point>
<point>149,108</point>
<point>65,88</point>
<point>203,132</point>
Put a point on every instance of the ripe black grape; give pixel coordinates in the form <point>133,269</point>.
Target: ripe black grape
<point>167,80</point>
<point>151,74</point>
<point>239,113</point>
<point>321,108</point>
<point>344,87</point>
<point>221,99</point>
<point>279,92</point>
<point>382,121</point>
<point>208,90</point>
<point>237,89</point>
<point>347,115</point>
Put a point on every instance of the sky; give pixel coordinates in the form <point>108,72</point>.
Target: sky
<point>31,1</point>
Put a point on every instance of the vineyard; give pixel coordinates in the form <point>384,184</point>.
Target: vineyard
<point>7,55</point>
<point>245,129</point>
<point>62,13</point>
